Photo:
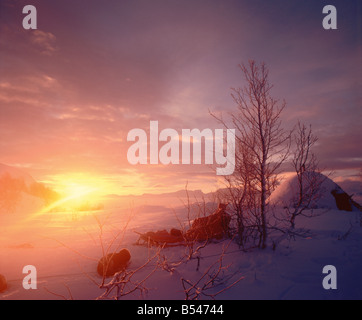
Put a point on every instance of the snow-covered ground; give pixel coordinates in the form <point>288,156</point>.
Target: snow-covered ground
<point>65,246</point>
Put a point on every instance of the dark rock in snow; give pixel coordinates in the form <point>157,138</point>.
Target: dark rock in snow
<point>343,200</point>
<point>113,263</point>
<point>3,284</point>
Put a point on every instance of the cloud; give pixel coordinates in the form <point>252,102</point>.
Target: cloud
<point>44,41</point>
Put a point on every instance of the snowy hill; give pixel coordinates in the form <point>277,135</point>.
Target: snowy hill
<point>328,194</point>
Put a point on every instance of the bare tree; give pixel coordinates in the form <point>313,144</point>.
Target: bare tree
<point>309,178</point>
<point>240,195</point>
<point>262,146</point>
<point>303,157</point>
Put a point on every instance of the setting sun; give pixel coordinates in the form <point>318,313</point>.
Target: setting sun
<point>77,190</point>
<point>77,185</point>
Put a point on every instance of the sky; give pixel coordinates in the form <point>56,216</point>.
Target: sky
<point>72,89</point>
